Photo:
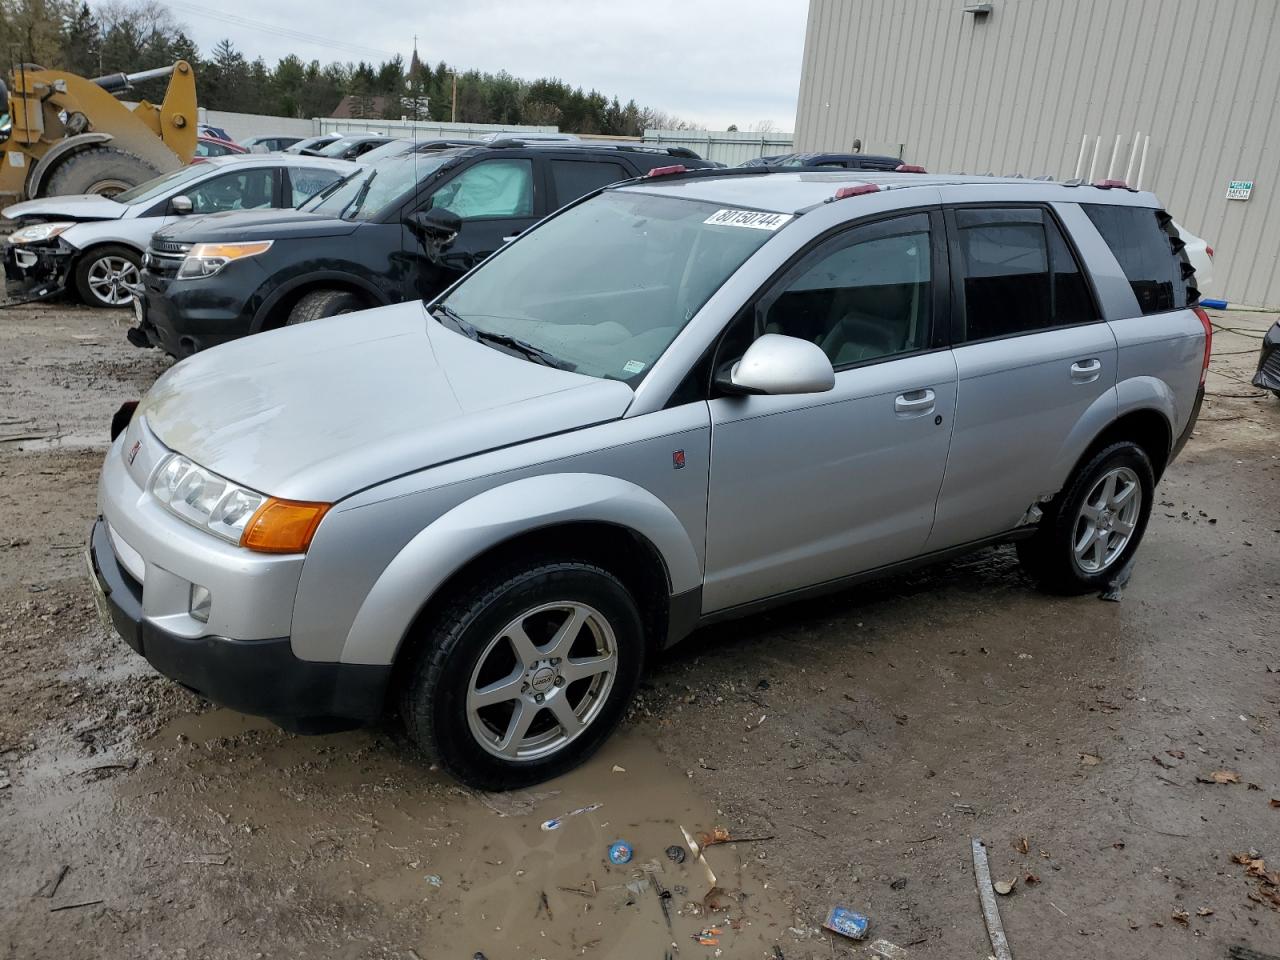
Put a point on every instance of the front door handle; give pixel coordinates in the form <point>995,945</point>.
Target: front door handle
<point>1086,371</point>
<point>914,403</point>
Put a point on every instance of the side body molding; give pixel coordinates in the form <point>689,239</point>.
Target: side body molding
<point>499,514</point>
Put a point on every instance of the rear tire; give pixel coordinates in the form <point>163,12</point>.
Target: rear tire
<point>1093,527</point>
<point>102,170</point>
<point>323,303</point>
<point>105,276</point>
<point>501,713</point>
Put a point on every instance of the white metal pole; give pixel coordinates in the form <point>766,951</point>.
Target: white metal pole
<point>1115,153</point>
<point>1133,156</point>
<point>1084,145</point>
<point>1093,162</point>
<point>1142,164</point>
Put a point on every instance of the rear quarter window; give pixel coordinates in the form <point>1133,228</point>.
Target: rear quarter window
<point>1148,250</point>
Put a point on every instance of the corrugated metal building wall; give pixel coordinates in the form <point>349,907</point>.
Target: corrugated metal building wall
<point>1016,90</point>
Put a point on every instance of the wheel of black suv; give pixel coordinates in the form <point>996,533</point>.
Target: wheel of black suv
<point>1093,527</point>
<point>323,303</point>
<point>106,276</point>
<point>525,674</point>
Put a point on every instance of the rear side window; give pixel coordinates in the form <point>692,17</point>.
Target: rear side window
<point>577,178</point>
<point>1138,239</point>
<point>1019,275</point>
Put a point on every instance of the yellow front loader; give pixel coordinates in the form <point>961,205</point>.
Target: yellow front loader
<point>67,134</point>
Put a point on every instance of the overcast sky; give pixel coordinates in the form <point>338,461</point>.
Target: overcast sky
<point>712,61</point>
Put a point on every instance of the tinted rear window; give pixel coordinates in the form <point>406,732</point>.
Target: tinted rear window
<point>1148,254</point>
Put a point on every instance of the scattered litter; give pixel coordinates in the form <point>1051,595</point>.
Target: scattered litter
<point>618,769</point>
<point>543,906</point>
<point>990,912</point>
<point>209,859</point>
<point>890,951</point>
<point>1022,845</point>
<point>581,891</point>
<point>717,835</point>
<point>1219,776</point>
<point>50,887</point>
<point>664,899</point>
<point>620,852</point>
<point>1005,887</point>
<point>1031,879</point>
<point>708,936</point>
<point>1204,912</point>
<point>845,922</point>
<point>1182,917</point>
<point>675,852</point>
<point>74,906</point>
<point>697,855</point>
<point>557,822</point>
<point>433,879</point>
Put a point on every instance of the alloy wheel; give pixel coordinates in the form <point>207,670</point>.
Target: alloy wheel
<point>542,680</point>
<point>113,280</point>
<point>1107,520</point>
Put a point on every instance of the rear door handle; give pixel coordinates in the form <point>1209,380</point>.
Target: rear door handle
<point>914,402</point>
<point>1086,371</point>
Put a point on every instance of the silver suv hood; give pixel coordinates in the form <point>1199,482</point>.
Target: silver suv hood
<point>320,411</point>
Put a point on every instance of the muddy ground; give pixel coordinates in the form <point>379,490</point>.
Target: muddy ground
<point>869,737</point>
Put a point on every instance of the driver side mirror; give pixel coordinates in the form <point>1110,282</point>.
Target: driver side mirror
<point>436,225</point>
<point>180,206</point>
<point>778,365</point>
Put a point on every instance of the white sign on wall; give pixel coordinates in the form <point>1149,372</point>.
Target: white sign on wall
<point>1239,189</point>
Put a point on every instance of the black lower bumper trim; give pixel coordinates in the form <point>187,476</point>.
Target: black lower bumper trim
<point>261,677</point>
<point>1190,427</point>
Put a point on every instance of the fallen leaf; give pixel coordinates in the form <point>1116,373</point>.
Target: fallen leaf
<point>1182,917</point>
<point>1275,804</point>
<point>1031,879</point>
<point>1176,754</point>
<point>1219,776</point>
<point>1089,760</point>
<point>718,835</point>
<point>1022,845</point>
<point>1204,912</point>
<point>1253,786</point>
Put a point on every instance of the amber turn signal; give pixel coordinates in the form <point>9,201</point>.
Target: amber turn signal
<point>283,526</point>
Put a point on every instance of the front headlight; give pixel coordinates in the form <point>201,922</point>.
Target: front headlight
<point>206,259</point>
<point>39,232</point>
<point>235,513</point>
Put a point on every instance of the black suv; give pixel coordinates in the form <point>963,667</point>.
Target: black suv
<point>401,229</point>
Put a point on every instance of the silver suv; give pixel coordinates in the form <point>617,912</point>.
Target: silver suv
<point>684,398</point>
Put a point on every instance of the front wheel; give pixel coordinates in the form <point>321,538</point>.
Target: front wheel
<point>526,674</point>
<point>107,276</point>
<point>1093,527</point>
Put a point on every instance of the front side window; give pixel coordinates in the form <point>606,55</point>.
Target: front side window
<point>245,190</point>
<point>491,188</point>
<point>367,194</point>
<point>1019,274</point>
<point>1139,238</point>
<point>861,297</point>
<point>605,286</point>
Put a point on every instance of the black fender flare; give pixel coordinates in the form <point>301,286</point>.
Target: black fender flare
<point>315,279</point>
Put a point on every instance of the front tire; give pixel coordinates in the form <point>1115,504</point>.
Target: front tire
<point>525,674</point>
<point>323,303</point>
<point>102,170</point>
<point>1093,527</point>
<point>106,276</point>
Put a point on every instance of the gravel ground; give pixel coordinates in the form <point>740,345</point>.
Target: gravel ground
<point>868,736</point>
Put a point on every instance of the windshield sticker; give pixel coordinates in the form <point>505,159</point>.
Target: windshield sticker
<point>748,218</point>
<point>633,366</point>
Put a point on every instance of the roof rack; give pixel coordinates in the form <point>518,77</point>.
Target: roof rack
<point>509,142</point>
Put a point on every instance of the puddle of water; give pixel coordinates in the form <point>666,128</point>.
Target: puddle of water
<point>357,816</point>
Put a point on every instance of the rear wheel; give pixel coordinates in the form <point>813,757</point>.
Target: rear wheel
<point>101,170</point>
<point>526,674</point>
<point>107,276</point>
<point>1093,527</point>
<point>323,303</point>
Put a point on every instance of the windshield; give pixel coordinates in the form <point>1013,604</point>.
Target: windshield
<point>367,194</point>
<point>606,286</point>
<point>339,147</point>
<point>154,189</point>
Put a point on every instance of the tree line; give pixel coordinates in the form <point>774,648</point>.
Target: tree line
<point>131,35</point>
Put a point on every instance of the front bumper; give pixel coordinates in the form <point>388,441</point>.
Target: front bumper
<point>1268,375</point>
<point>36,271</point>
<point>145,561</point>
<point>185,316</point>
<point>261,677</point>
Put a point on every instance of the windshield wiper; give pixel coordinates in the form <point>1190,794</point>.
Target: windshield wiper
<point>471,331</point>
<point>354,207</point>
